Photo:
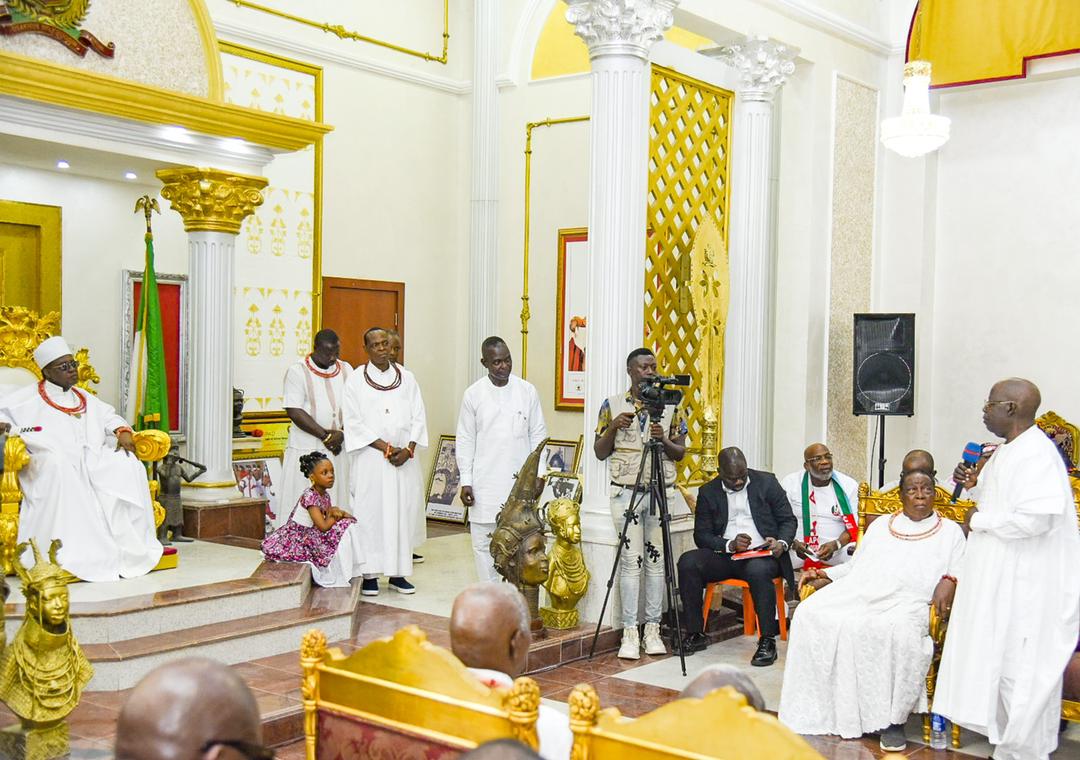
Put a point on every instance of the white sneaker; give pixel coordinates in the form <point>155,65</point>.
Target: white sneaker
<point>653,643</point>
<point>631,646</point>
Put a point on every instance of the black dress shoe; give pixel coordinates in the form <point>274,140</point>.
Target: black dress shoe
<point>694,642</point>
<point>766,652</point>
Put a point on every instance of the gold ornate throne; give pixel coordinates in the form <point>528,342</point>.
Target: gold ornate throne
<point>403,697</point>
<point>21,330</point>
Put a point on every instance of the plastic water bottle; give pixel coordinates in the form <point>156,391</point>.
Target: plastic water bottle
<point>938,733</point>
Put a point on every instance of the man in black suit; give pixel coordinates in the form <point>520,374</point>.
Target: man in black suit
<point>738,510</point>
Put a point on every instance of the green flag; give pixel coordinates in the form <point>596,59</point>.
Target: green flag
<point>148,396</point>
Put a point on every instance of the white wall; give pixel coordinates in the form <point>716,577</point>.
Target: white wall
<point>101,237</point>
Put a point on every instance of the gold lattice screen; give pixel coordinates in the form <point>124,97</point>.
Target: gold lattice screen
<point>689,144</point>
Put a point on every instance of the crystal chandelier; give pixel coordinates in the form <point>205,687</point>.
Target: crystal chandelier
<point>916,131</point>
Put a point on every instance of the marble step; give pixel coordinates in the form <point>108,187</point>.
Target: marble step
<point>271,588</point>
<point>120,664</point>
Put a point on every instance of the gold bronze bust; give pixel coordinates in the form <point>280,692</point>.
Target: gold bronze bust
<point>517,543</point>
<point>568,578</point>
<point>43,670</point>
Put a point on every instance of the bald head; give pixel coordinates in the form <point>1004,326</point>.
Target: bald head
<point>918,459</point>
<point>489,628</point>
<point>1011,407</point>
<point>175,710</point>
<point>1024,393</point>
<point>732,468</point>
<point>501,749</point>
<point>718,676</point>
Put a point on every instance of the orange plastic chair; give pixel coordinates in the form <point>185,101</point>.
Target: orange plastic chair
<point>750,621</point>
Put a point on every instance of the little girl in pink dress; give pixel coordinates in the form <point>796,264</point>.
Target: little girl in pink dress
<point>317,532</point>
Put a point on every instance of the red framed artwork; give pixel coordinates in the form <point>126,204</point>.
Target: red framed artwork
<point>571,321</point>
<point>172,293</point>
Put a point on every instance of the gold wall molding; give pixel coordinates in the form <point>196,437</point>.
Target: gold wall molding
<point>44,82</point>
<point>316,73</point>
<point>47,221</point>
<point>525,313</point>
<point>208,36</point>
<point>210,199</point>
<point>347,34</point>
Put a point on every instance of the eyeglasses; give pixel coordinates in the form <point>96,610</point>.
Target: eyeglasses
<point>247,749</point>
<point>988,404</point>
<point>67,366</point>
<point>820,458</point>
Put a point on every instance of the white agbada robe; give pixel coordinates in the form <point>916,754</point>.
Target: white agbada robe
<point>388,501</point>
<point>825,512</point>
<point>320,397</point>
<point>859,648</point>
<point>497,429</point>
<point>79,489</point>
<point>1016,616</point>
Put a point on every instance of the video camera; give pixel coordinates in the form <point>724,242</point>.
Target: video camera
<point>655,395</point>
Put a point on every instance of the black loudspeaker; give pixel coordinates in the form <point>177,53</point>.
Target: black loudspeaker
<point>884,371</point>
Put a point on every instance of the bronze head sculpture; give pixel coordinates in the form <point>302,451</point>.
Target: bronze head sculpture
<point>517,543</point>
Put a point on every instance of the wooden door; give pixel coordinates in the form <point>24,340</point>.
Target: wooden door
<point>352,307</point>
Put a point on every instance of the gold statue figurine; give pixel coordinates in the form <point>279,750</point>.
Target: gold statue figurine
<point>568,577</point>
<point>43,670</point>
<point>517,543</point>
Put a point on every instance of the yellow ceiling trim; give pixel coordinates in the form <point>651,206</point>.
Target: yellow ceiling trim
<point>559,52</point>
<point>215,77</point>
<point>44,82</point>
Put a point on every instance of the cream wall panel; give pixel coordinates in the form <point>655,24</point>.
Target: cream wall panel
<point>157,43</point>
<point>851,256</point>
<point>101,237</point>
<point>265,87</point>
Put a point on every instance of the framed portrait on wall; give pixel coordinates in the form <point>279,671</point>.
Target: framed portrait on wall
<point>172,293</point>
<point>261,479</point>
<point>561,486</point>
<point>571,320</point>
<point>443,497</point>
<point>560,456</point>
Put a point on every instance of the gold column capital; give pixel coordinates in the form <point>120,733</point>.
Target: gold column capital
<point>211,200</point>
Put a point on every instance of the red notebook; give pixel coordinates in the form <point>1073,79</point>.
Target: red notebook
<point>751,554</point>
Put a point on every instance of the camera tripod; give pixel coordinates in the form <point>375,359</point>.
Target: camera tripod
<point>656,490</point>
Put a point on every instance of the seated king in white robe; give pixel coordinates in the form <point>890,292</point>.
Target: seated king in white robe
<point>84,484</point>
<point>859,648</point>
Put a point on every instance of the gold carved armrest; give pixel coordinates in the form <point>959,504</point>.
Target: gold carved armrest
<point>152,446</point>
<point>16,457</point>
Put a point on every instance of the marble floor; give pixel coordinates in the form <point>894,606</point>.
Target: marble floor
<point>635,687</point>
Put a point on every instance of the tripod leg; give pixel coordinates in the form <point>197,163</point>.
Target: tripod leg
<point>628,515</point>
<point>658,493</point>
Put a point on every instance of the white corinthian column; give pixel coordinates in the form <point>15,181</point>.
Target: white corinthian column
<point>484,205</point>
<point>213,204</point>
<point>763,66</point>
<point>619,34</point>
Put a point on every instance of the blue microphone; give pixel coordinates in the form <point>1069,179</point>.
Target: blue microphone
<point>972,452</point>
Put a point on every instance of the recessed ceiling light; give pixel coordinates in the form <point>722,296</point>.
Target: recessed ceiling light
<point>130,175</point>
<point>176,134</point>
<point>61,164</point>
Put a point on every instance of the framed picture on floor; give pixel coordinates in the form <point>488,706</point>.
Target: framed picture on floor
<point>444,485</point>
<point>571,320</point>
<point>560,456</point>
<point>259,479</point>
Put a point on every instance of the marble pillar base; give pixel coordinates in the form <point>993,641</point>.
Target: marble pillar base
<point>211,495</point>
<point>598,544</point>
<point>237,516</point>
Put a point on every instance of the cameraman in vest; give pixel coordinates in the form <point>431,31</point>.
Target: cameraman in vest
<point>621,432</point>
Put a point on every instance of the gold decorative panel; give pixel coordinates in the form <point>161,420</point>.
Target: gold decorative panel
<point>689,147</point>
<point>30,254</point>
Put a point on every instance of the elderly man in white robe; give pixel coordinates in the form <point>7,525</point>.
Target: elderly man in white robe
<point>384,423</point>
<point>860,646</point>
<point>1016,618</point>
<point>314,394</point>
<point>84,484</point>
<point>825,503</point>
<point>499,425</point>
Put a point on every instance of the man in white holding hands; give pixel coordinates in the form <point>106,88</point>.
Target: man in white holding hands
<point>499,425</point>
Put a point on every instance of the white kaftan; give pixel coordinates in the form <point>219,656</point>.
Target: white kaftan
<point>825,513</point>
<point>859,648</point>
<point>1016,616</point>
<point>388,501</point>
<point>497,429</point>
<point>320,397</point>
<point>79,489</point>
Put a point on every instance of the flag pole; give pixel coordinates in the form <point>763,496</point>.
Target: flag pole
<point>147,205</point>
